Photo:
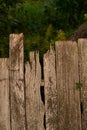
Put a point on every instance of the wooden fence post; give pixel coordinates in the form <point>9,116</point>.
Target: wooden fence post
<point>4,95</point>
<point>82,45</point>
<point>51,100</point>
<point>34,105</point>
<point>69,116</point>
<point>17,82</point>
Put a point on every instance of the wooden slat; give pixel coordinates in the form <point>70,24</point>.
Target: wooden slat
<point>69,116</point>
<point>4,95</point>
<point>34,105</point>
<point>51,100</point>
<point>17,82</point>
<point>82,44</point>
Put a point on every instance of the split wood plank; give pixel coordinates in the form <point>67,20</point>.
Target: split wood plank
<point>34,105</point>
<point>51,100</point>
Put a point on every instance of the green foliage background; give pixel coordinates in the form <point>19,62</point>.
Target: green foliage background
<point>42,22</point>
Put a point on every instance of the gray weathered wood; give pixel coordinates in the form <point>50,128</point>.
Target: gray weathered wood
<point>17,82</point>
<point>4,95</point>
<point>51,100</point>
<point>34,105</point>
<point>82,45</point>
<point>69,116</point>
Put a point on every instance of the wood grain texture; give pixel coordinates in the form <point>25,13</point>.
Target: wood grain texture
<point>34,105</point>
<point>16,57</point>
<point>69,116</point>
<point>82,46</point>
<point>4,95</point>
<point>51,100</point>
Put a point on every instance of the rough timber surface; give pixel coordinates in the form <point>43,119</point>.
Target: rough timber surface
<point>82,46</point>
<point>34,105</point>
<point>17,82</point>
<point>4,95</point>
<point>69,117</point>
<point>50,91</point>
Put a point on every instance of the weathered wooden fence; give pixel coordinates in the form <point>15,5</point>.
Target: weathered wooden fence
<point>64,88</point>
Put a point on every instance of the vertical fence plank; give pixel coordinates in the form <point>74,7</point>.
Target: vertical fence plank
<point>82,44</point>
<point>50,91</point>
<point>34,105</point>
<point>17,82</point>
<point>69,116</point>
<point>4,95</point>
